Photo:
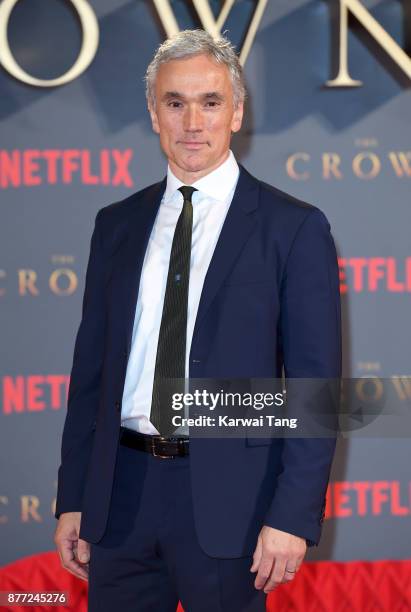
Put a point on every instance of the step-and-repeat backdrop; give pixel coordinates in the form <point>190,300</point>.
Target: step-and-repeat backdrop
<point>328,120</point>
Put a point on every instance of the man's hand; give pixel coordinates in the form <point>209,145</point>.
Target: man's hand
<point>74,552</point>
<point>277,557</point>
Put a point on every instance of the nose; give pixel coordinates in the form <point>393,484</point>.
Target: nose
<point>193,120</point>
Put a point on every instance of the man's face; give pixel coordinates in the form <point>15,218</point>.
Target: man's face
<point>194,115</point>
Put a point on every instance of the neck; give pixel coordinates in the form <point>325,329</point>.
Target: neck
<point>189,177</point>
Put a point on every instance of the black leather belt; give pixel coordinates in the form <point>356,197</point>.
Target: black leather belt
<point>158,446</point>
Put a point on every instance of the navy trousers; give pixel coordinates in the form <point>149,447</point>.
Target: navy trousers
<point>149,557</point>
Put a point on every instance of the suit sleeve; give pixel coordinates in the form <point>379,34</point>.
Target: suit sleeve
<point>310,330</point>
<point>84,389</point>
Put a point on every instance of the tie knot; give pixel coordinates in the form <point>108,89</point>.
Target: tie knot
<point>187,191</point>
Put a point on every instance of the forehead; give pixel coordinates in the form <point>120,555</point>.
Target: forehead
<point>192,74</point>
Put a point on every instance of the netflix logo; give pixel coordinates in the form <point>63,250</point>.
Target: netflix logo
<point>371,274</point>
<point>34,393</point>
<point>367,498</point>
<point>33,167</point>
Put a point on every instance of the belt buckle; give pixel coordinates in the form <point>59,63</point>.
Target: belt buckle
<point>158,454</point>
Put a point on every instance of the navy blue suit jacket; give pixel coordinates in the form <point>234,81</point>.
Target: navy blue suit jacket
<point>270,301</point>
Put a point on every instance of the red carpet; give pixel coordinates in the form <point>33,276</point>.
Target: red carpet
<point>326,586</point>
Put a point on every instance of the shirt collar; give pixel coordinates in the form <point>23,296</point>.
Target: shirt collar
<point>217,185</point>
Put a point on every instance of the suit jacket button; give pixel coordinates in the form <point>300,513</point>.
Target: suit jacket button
<point>118,405</point>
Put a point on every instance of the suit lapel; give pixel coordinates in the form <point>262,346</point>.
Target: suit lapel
<point>237,226</point>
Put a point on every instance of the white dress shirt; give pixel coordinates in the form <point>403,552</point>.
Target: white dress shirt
<point>210,206</point>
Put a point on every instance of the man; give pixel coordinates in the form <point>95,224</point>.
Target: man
<point>207,274</point>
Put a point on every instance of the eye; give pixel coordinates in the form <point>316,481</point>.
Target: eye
<point>211,103</point>
<point>174,104</point>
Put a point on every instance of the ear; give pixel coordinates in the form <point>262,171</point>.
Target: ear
<point>237,117</point>
<point>154,118</point>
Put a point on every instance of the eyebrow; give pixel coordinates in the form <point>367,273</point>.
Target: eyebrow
<point>214,95</point>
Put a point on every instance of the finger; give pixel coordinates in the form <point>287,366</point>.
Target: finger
<point>292,569</point>
<point>289,575</point>
<point>83,551</point>
<point>264,570</point>
<point>80,571</point>
<point>77,569</point>
<point>69,562</point>
<point>257,555</point>
<point>277,575</point>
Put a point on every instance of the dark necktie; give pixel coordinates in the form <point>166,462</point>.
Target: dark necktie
<point>171,348</point>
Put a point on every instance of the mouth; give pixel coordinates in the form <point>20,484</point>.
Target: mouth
<point>192,145</point>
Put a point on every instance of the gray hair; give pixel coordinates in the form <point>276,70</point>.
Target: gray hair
<point>188,43</point>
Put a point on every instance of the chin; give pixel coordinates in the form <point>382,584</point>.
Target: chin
<point>194,165</point>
